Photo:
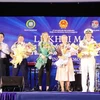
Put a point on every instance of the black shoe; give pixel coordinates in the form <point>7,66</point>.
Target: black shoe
<point>39,90</point>
<point>48,89</point>
<point>35,89</point>
<point>27,89</point>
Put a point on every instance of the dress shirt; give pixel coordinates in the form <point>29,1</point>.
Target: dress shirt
<point>5,50</point>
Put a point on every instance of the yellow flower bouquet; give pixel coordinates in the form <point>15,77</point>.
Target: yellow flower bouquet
<point>49,47</point>
<point>21,52</point>
<point>91,50</point>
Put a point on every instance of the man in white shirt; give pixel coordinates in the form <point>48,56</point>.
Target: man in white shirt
<point>23,66</point>
<point>4,50</point>
<point>87,62</point>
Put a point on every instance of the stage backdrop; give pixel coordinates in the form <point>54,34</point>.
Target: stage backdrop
<point>32,27</point>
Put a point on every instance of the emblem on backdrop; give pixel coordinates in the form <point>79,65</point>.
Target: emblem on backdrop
<point>95,24</point>
<point>63,24</point>
<point>30,23</point>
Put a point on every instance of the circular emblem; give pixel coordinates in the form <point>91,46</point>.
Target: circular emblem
<point>63,23</point>
<point>30,23</point>
<point>95,24</point>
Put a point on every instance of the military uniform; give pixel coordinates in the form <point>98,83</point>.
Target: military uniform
<point>87,65</point>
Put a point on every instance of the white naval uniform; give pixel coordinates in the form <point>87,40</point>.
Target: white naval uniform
<point>87,66</point>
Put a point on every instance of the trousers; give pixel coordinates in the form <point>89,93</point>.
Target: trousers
<point>48,70</point>
<point>88,68</point>
<point>24,70</point>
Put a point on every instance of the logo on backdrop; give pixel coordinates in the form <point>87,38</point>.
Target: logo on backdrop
<point>30,23</point>
<point>63,24</point>
<point>95,24</point>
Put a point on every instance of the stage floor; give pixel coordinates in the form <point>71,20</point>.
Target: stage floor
<point>54,95</point>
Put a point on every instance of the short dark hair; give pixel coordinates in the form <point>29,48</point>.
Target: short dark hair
<point>20,35</point>
<point>2,34</point>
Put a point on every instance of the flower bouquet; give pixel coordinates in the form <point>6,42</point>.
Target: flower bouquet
<point>21,52</point>
<point>91,50</point>
<point>63,60</point>
<point>49,47</point>
<point>46,50</point>
<point>74,46</point>
<point>30,48</point>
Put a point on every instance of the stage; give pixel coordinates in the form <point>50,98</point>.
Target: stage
<point>52,95</point>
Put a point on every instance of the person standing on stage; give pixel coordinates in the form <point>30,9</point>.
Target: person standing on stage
<point>4,51</point>
<point>45,50</point>
<point>65,70</point>
<point>87,62</point>
<point>23,66</point>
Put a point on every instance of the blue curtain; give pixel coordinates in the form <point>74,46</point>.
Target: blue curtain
<point>8,96</point>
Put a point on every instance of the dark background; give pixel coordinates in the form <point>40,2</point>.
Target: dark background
<point>50,9</point>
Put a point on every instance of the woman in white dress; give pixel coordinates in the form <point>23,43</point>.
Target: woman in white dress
<point>65,70</point>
